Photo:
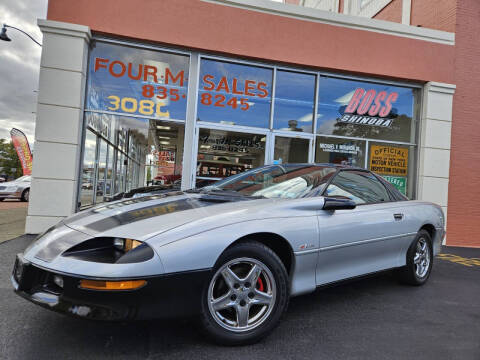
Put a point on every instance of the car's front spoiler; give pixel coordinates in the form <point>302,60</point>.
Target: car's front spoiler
<point>163,296</point>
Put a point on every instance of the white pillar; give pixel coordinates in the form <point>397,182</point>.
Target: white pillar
<point>436,129</point>
<point>59,125</point>
<point>406,11</point>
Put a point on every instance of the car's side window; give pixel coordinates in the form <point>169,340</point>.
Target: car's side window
<point>362,187</point>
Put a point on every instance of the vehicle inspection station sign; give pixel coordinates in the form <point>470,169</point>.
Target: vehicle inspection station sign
<point>389,160</point>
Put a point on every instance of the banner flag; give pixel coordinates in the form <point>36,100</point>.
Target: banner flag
<point>20,143</point>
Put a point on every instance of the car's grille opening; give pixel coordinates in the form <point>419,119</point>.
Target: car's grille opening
<point>32,279</point>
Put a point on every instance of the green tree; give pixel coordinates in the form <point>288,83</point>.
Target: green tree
<point>9,162</point>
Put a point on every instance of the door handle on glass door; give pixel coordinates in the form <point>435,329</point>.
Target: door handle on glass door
<point>398,216</point>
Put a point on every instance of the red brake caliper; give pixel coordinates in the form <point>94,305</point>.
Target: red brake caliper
<point>260,284</point>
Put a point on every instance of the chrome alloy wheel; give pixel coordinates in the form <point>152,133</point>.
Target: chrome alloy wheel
<point>242,294</point>
<point>422,258</point>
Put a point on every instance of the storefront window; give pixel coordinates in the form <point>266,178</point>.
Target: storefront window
<point>88,170</point>
<point>340,151</point>
<point>136,109</point>
<point>110,171</point>
<point>120,174</point>
<point>365,110</point>
<point>153,145</point>
<point>234,94</point>
<point>225,153</point>
<point>290,150</point>
<point>102,168</point>
<point>136,81</point>
<point>294,101</point>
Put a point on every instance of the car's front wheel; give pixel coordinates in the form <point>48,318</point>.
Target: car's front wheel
<point>25,195</point>
<point>419,260</point>
<point>246,296</point>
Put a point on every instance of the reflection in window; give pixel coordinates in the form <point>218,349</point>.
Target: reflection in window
<point>226,153</point>
<point>137,81</point>
<point>88,169</point>
<point>280,181</point>
<point>340,151</point>
<point>361,187</point>
<point>365,109</point>
<point>294,101</point>
<point>110,171</point>
<point>119,173</point>
<point>291,150</point>
<point>132,152</point>
<point>234,94</point>
<point>102,167</point>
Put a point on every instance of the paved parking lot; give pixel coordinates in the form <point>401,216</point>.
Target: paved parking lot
<point>373,318</point>
<point>12,219</point>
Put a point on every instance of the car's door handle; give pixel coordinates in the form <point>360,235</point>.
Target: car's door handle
<point>398,216</point>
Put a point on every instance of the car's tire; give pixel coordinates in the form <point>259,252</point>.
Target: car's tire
<point>249,311</point>
<point>1,199</point>
<point>25,195</point>
<point>419,261</point>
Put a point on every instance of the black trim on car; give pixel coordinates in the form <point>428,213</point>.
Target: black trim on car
<point>163,296</point>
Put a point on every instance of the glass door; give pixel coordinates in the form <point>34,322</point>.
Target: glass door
<point>223,152</point>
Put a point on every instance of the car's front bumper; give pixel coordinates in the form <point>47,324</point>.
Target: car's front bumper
<point>10,195</point>
<point>163,296</point>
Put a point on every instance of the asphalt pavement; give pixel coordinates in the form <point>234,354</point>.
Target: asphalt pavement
<point>372,318</point>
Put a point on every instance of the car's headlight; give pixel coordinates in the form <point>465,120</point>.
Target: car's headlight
<point>111,250</point>
<point>126,245</point>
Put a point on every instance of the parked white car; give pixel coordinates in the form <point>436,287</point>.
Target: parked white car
<point>16,189</point>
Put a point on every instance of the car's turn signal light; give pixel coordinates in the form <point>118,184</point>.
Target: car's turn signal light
<point>112,285</point>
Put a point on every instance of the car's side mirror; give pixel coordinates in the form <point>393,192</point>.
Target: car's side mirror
<point>338,203</point>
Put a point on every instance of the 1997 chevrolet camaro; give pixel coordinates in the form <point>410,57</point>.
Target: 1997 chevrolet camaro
<point>233,252</point>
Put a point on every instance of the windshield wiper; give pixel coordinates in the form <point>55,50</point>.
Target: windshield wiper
<point>227,192</point>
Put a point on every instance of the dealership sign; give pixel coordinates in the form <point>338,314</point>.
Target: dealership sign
<point>369,107</point>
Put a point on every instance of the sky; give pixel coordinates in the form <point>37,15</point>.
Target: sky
<point>20,66</point>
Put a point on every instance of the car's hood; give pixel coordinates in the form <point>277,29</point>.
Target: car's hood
<point>12,183</point>
<point>161,219</point>
<point>143,217</point>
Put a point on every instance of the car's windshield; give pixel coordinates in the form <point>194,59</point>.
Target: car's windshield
<point>278,181</point>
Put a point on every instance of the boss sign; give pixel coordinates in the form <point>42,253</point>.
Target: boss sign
<point>369,108</point>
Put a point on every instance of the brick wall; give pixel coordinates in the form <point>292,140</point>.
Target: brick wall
<point>464,187</point>
<point>434,14</point>
<point>391,12</point>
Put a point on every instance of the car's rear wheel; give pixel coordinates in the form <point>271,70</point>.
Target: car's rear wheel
<point>246,296</point>
<point>419,260</point>
<point>25,195</point>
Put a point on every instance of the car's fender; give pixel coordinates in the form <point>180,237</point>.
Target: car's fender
<point>201,251</point>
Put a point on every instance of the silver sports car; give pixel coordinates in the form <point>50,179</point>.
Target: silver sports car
<point>233,252</point>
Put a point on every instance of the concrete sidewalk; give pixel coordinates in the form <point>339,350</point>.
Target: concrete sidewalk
<point>12,219</point>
